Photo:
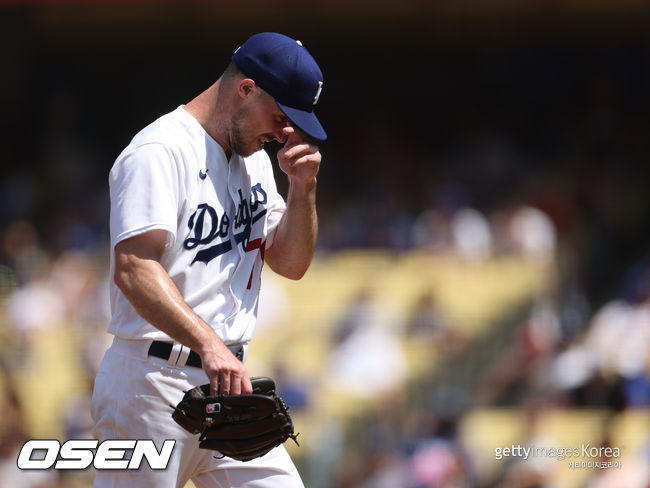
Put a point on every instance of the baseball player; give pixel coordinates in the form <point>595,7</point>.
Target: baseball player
<point>194,214</point>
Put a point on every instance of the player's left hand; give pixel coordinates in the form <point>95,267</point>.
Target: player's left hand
<point>299,158</point>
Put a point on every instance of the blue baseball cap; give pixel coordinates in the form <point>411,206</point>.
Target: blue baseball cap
<point>284,69</point>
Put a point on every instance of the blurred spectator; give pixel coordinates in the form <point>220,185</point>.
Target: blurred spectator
<point>529,232</point>
<point>610,364</point>
<point>430,231</point>
<point>541,333</point>
<point>439,460</point>
<point>367,357</point>
<point>35,307</point>
<point>12,438</point>
<point>428,323</point>
<point>533,232</point>
<point>471,235</point>
<point>22,252</point>
<point>359,312</point>
<point>293,391</point>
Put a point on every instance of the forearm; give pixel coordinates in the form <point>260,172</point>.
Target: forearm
<point>156,298</point>
<point>295,237</point>
<point>143,280</point>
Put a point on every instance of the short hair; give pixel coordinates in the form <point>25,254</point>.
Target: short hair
<point>231,71</point>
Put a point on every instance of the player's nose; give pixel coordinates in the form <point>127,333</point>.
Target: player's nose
<point>279,133</point>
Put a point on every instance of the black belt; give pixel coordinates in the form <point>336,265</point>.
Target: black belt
<point>163,350</point>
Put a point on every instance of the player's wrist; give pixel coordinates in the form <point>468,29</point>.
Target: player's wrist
<point>302,188</point>
<point>207,342</point>
<point>211,346</point>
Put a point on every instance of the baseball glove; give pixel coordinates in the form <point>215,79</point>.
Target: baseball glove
<point>242,427</point>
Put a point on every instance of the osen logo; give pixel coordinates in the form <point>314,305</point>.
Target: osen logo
<point>81,453</point>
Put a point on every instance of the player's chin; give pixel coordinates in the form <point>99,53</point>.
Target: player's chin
<point>248,150</point>
<point>256,146</point>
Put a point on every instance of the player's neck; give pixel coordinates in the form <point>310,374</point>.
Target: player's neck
<point>209,110</point>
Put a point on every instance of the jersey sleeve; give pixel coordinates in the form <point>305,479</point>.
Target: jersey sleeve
<point>145,193</point>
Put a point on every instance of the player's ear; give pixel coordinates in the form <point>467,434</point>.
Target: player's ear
<point>246,87</point>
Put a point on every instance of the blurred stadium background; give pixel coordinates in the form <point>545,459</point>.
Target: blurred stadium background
<point>482,278</point>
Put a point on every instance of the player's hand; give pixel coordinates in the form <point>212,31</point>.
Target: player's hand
<point>228,375</point>
<point>299,158</point>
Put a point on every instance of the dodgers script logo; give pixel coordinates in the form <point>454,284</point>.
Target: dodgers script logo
<point>206,226</point>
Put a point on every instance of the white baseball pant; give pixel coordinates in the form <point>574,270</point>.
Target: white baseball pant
<point>131,400</point>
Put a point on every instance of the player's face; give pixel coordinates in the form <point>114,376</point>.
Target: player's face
<point>258,121</point>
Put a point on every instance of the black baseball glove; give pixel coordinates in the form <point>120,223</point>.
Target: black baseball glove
<point>242,427</point>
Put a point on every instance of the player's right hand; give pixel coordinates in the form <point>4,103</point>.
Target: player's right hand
<point>299,158</point>
<point>227,375</point>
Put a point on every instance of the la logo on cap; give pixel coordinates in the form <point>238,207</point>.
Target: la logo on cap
<point>320,89</point>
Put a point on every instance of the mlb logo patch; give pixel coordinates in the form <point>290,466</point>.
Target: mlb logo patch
<point>213,408</point>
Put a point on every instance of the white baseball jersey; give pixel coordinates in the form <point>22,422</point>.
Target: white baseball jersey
<point>219,216</point>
